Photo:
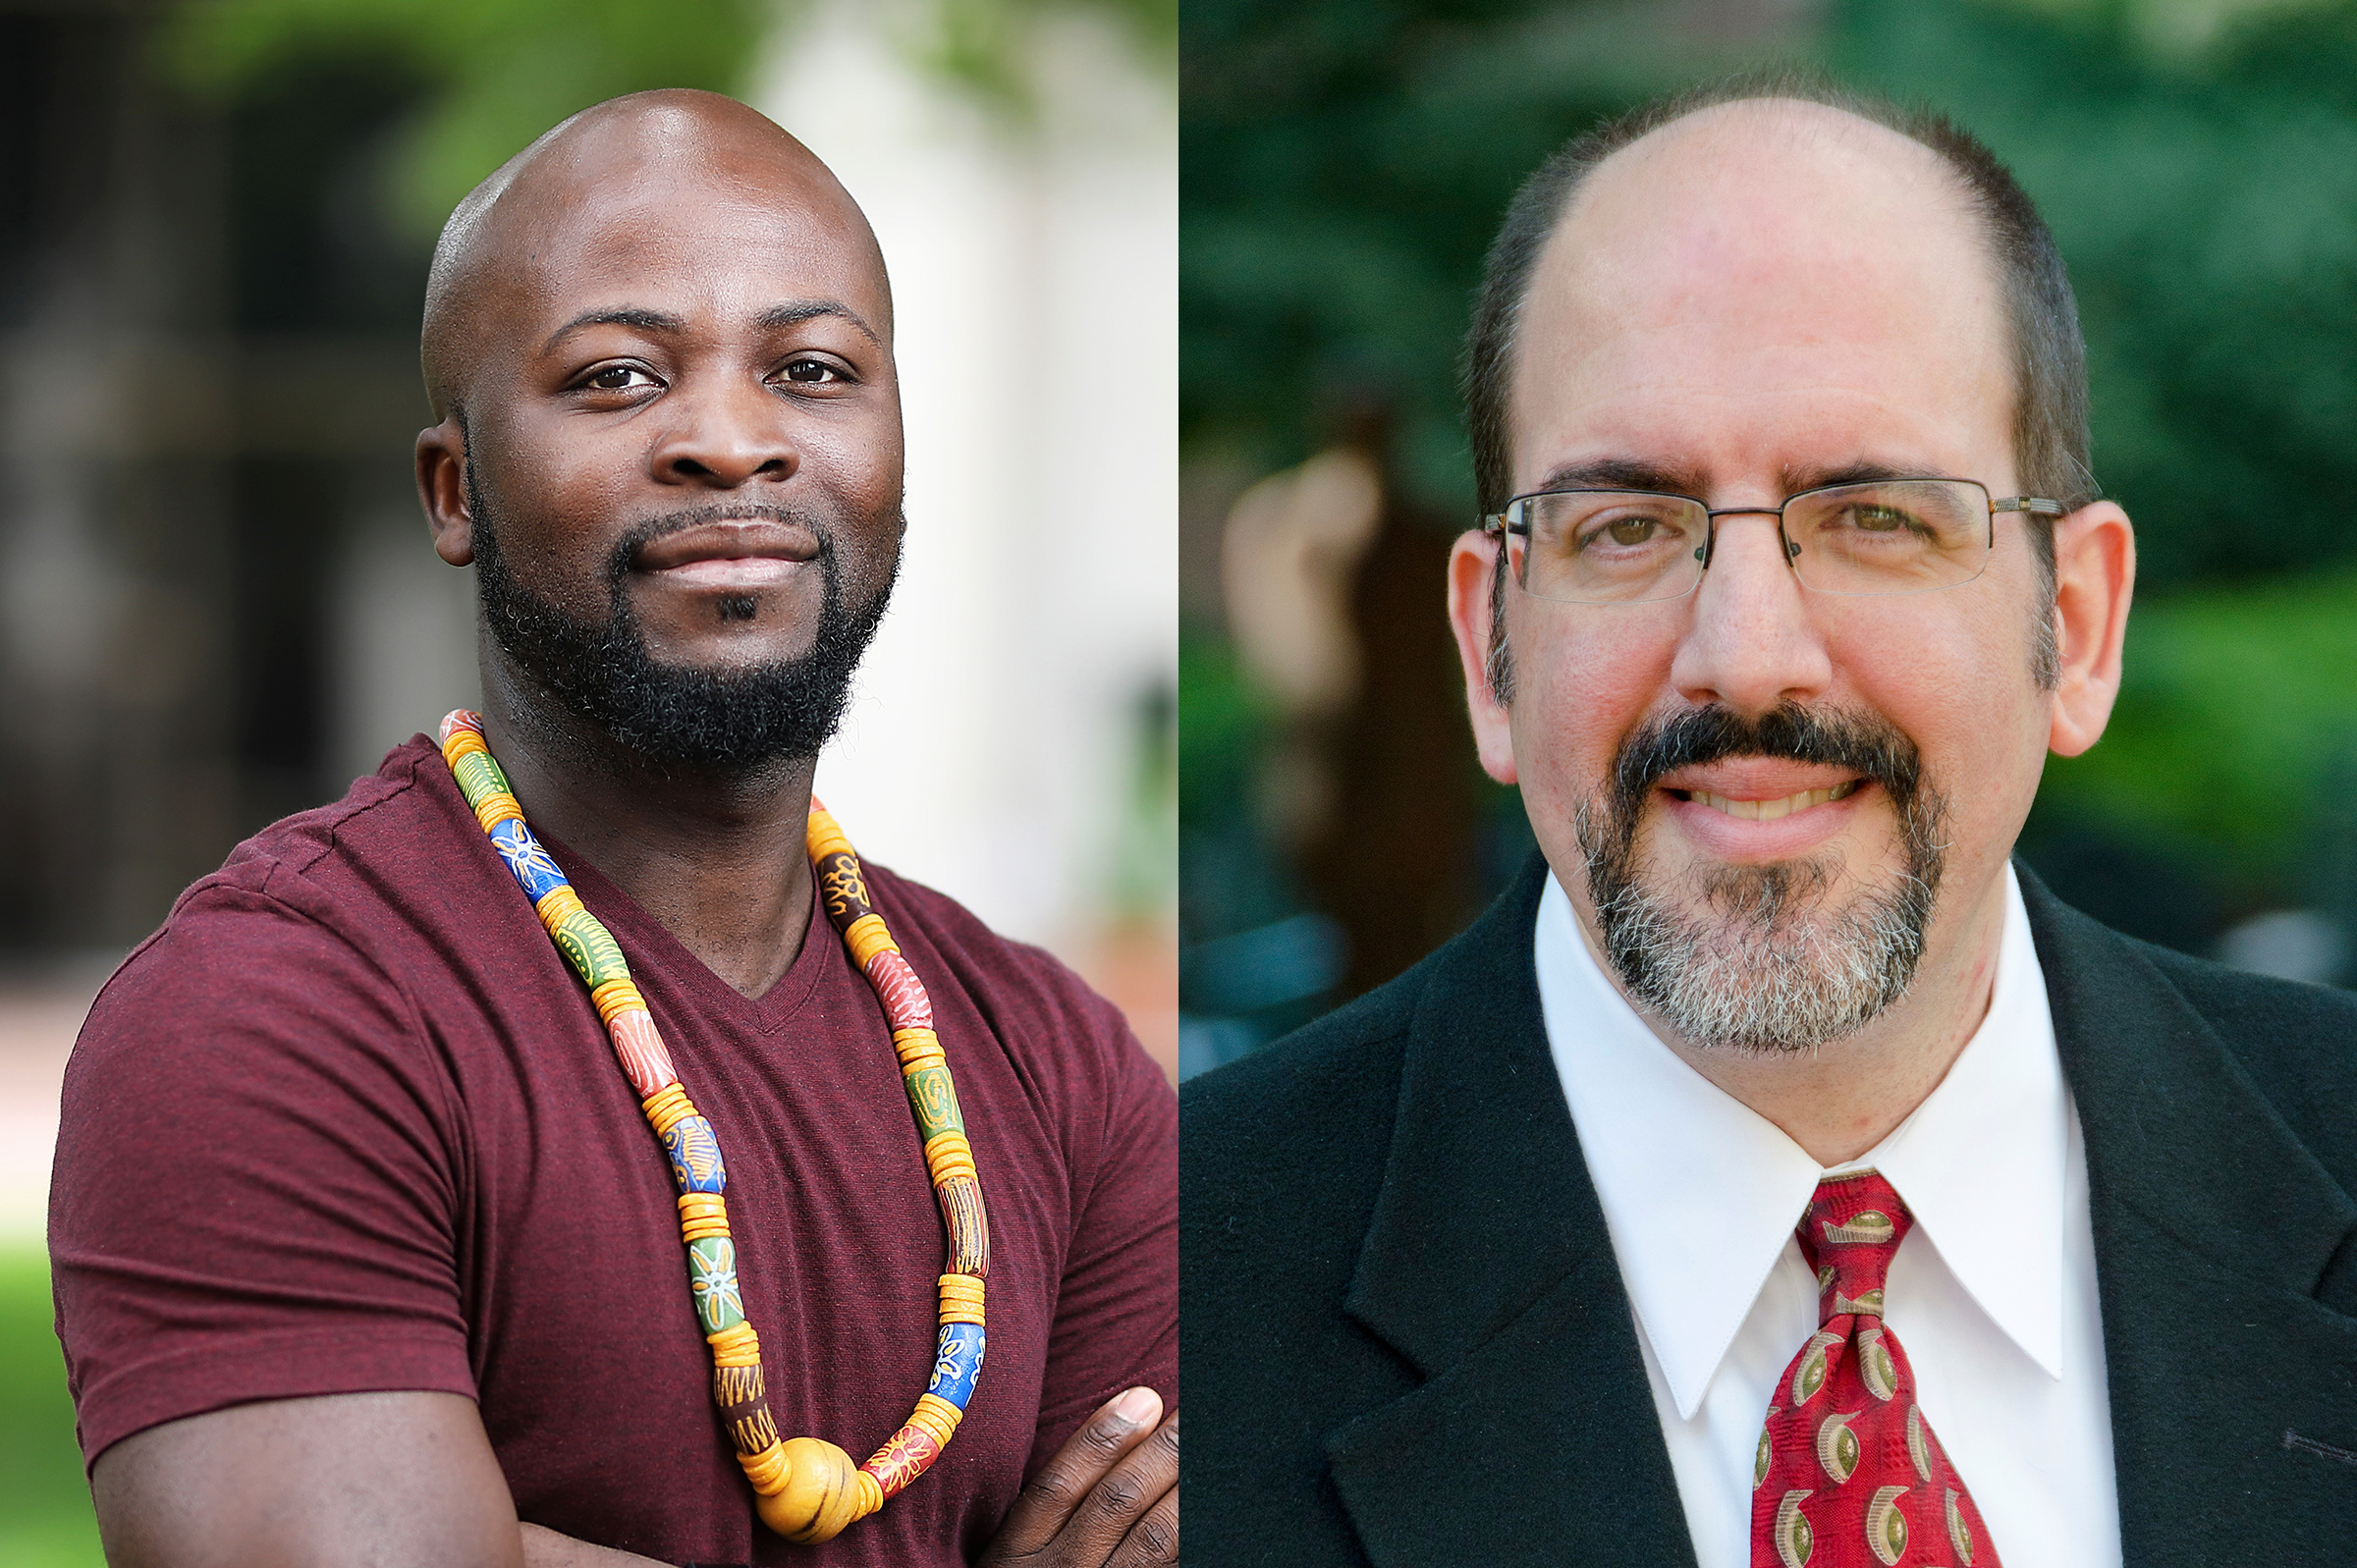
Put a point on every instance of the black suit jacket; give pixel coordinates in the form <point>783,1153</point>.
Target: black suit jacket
<point>1406,1339</point>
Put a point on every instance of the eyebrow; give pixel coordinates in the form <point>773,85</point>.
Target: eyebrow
<point>657,322</point>
<point>1641,473</point>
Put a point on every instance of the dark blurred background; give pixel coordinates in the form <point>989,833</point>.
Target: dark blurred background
<point>217,603</point>
<point>1346,164</point>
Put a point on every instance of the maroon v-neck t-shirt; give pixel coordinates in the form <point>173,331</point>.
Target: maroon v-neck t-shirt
<point>348,1124</point>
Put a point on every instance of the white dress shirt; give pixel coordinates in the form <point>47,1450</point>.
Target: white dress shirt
<point>1992,1294</point>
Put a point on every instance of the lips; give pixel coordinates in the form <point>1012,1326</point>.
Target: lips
<point>1772,810</point>
<point>1761,808</point>
<point>735,555</point>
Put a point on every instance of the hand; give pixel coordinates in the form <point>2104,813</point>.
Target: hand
<point>1108,1499</point>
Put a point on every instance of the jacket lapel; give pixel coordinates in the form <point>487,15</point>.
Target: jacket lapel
<point>1532,1436</point>
<point>2213,1224</point>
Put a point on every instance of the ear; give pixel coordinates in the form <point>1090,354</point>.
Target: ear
<point>442,487</point>
<point>1473,567</point>
<point>2095,576</point>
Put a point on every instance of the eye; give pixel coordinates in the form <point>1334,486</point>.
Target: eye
<point>813,372</point>
<point>617,378</point>
<point>1630,530</point>
<point>1879,520</point>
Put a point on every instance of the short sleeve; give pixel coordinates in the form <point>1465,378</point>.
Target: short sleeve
<point>1116,1308</point>
<point>258,1177</point>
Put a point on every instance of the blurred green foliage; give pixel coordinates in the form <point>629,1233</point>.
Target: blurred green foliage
<point>499,72</point>
<point>45,1519</point>
<point>1346,163</point>
<point>2232,734</point>
<point>494,73</point>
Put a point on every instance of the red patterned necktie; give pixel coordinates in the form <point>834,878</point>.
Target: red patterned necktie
<point>1848,1474</point>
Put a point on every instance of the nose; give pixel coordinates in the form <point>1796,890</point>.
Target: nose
<point>724,434</point>
<point>1752,642</point>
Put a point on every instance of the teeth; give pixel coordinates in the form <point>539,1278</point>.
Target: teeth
<point>1772,810</point>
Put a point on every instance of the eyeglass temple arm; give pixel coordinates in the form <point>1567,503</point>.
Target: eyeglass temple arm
<point>2037,503</point>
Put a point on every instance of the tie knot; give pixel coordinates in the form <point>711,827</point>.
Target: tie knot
<point>1853,1226</point>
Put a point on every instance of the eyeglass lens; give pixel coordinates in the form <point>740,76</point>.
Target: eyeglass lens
<point>1624,547</point>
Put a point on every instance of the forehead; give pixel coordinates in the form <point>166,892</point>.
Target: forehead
<point>1764,284</point>
<point>687,225</point>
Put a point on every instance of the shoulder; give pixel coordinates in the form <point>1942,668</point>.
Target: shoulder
<point>1283,1152</point>
<point>1264,1105</point>
<point>1009,982</point>
<point>1281,1160</point>
<point>1261,1110</point>
<point>283,945</point>
<point>386,832</point>
<point>2295,1043</point>
<point>1066,1052</point>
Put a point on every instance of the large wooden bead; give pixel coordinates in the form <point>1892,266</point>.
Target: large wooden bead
<point>820,1496</point>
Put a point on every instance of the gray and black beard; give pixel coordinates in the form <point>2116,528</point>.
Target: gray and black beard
<point>1765,965</point>
<point>729,721</point>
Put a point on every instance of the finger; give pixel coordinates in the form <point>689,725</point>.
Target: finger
<point>1120,1500</point>
<point>1048,1499</point>
<point>1154,1537</point>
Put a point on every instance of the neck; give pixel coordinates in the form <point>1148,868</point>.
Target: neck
<point>1840,1101</point>
<point>719,859</point>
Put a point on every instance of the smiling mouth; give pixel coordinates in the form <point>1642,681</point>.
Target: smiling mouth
<point>1769,810</point>
<point>737,554</point>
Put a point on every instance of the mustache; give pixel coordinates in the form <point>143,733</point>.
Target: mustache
<point>1863,742</point>
<point>647,530</point>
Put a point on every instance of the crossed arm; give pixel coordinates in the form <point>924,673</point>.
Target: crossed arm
<point>396,1479</point>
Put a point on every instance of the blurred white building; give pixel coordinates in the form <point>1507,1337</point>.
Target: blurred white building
<point>994,737</point>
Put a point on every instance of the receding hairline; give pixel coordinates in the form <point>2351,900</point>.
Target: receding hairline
<point>459,252</point>
<point>2039,316</point>
<point>1807,125</point>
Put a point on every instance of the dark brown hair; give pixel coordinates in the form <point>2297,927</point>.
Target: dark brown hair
<point>2050,357</point>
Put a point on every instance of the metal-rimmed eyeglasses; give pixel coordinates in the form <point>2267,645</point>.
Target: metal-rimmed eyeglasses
<point>1883,536</point>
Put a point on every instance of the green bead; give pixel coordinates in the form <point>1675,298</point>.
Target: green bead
<point>479,778</point>
<point>590,948</point>
<point>934,1100</point>
<point>712,1282</point>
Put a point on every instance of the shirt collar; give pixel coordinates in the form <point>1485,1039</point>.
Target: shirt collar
<point>1701,1193</point>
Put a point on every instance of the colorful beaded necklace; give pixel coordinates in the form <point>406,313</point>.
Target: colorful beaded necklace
<point>805,1488</point>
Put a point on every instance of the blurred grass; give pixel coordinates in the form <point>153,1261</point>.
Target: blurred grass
<point>45,1519</point>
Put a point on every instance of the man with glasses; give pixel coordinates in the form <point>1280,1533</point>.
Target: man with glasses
<point>1777,1174</point>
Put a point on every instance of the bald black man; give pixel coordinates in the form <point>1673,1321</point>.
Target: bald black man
<point>364,1244</point>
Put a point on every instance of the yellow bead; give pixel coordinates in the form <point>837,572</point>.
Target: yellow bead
<point>820,1496</point>
<point>823,834</point>
<point>556,904</point>
<point>667,1108</point>
<point>701,1215</point>
<point>766,1469</point>
<point>948,1154</point>
<point>917,1049</point>
<point>866,936</point>
<point>961,1298</point>
<point>937,1418</point>
<point>735,1346</point>
<point>614,997</point>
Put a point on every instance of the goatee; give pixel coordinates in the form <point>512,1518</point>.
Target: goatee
<point>1764,964</point>
<point>729,721</point>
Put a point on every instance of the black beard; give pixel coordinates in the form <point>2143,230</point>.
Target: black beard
<point>732,721</point>
<point>1768,974</point>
